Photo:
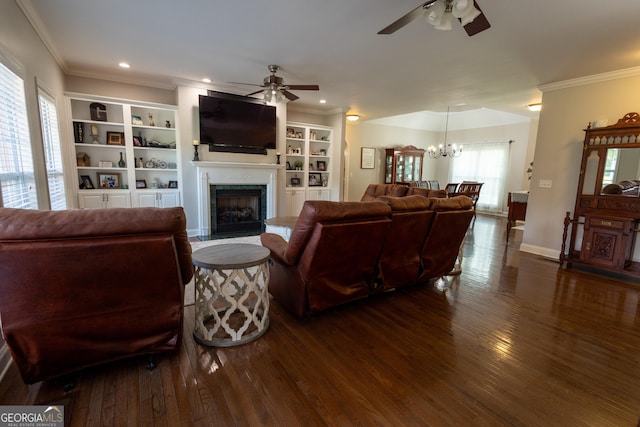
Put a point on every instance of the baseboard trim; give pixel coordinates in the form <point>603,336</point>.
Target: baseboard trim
<point>539,250</point>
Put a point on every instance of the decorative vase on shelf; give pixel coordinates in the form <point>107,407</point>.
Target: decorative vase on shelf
<point>121,162</point>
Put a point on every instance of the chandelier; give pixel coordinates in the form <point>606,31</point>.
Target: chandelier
<point>444,149</point>
<point>440,13</point>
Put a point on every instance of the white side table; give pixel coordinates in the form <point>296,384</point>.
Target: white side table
<point>232,296</point>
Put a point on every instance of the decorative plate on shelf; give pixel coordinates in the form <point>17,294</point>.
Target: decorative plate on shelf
<point>172,165</point>
<point>162,164</point>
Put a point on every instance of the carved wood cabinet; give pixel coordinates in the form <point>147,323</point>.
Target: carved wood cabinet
<point>601,233</point>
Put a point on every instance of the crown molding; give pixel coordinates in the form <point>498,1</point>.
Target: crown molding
<point>301,108</point>
<point>596,78</point>
<point>39,28</point>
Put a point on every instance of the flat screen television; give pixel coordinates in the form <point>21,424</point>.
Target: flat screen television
<point>236,124</point>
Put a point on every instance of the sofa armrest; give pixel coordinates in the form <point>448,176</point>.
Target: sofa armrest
<point>277,245</point>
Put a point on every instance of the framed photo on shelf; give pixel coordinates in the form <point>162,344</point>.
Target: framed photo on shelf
<point>109,180</point>
<point>173,184</point>
<point>295,181</point>
<point>86,183</point>
<point>141,183</point>
<point>115,138</point>
<point>321,165</point>
<point>136,120</point>
<point>289,167</point>
<point>137,141</point>
<point>367,158</point>
<point>315,180</point>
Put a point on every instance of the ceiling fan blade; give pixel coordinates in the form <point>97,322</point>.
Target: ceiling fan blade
<point>246,84</point>
<point>477,25</point>
<point>304,87</point>
<point>253,93</point>
<point>414,14</point>
<point>289,95</point>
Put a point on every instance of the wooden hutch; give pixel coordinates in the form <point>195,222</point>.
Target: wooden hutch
<point>403,165</point>
<point>603,228</point>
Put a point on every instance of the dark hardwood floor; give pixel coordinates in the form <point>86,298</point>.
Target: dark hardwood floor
<point>515,341</point>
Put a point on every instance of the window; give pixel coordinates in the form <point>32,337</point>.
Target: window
<point>52,154</point>
<point>17,182</point>
<point>487,163</point>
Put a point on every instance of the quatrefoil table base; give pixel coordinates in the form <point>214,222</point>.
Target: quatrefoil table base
<point>232,296</point>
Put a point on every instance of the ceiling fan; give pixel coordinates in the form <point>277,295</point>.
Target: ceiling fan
<point>440,13</point>
<point>275,89</point>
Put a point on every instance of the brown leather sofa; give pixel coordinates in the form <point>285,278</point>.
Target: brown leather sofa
<point>343,251</point>
<point>84,287</point>
<point>373,191</point>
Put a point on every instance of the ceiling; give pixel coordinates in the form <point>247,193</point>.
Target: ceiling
<point>334,43</point>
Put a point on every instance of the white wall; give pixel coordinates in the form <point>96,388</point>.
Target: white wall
<point>567,110</point>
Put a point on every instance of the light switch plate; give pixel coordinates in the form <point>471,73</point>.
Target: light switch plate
<point>544,183</point>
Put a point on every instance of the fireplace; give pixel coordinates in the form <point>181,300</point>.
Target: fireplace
<point>229,176</point>
<point>237,210</point>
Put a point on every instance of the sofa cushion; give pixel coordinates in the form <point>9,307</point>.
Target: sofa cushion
<point>426,192</point>
<point>452,203</point>
<point>407,203</point>
<point>374,191</point>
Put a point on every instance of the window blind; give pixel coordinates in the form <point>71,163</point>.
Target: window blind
<point>17,183</point>
<point>52,152</point>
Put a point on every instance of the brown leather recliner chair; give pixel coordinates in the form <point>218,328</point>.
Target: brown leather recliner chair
<point>84,287</point>
<point>446,234</point>
<point>401,257</point>
<point>331,256</point>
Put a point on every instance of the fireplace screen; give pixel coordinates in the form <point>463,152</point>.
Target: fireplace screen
<point>237,210</point>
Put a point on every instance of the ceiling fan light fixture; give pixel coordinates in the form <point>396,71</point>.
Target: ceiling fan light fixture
<point>461,8</point>
<point>435,13</point>
<point>280,97</point>
<point>446,23</point>
<point>468,18</point>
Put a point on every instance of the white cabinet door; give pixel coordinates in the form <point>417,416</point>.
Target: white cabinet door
<point>158,199</point>
<point>104,200</point>
<point>91,201</point>
<point>168,199</point>
<point>295,200</point>
<point>121,200</point>
<point>147,200</point>
<point>319,194</point>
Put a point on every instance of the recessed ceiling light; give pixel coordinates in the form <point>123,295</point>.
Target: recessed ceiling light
<point>323,101</point>
<point>206,80</point>
<point>124,65</point>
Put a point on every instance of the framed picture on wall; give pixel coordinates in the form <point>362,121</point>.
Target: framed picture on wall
<point>367,158</point>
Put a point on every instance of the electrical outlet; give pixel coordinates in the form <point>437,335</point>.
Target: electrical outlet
<point>544,183</point>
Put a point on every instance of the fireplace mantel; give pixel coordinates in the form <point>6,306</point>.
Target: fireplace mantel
<point>230,173</point>
<point>236,165</point>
